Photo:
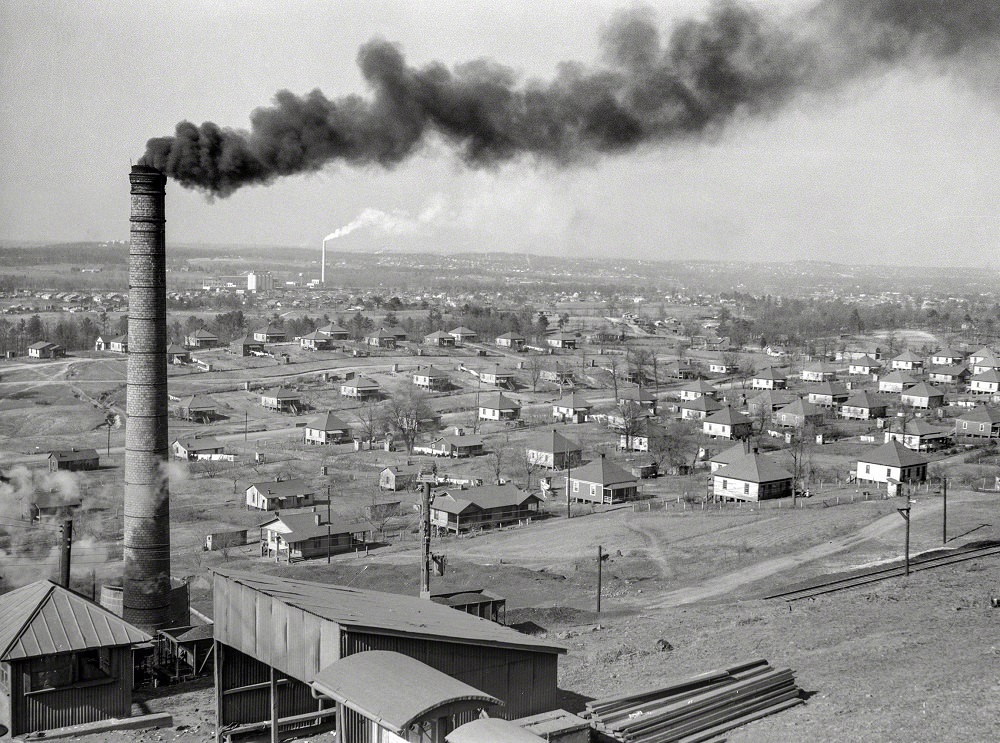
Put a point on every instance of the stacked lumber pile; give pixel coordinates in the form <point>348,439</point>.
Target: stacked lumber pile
<point>698,709</point>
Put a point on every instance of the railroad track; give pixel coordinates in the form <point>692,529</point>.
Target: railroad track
<point>873,576</point>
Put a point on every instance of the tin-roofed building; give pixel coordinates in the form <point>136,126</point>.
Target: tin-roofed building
<point>276,640</point>
<point>602,481</point>
<point>74,459</point>
<point>751,478</point>
<point>64,660</point>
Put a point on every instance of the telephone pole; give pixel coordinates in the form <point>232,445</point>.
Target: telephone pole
<point>600,560</point>
<point>425,532</point>
<point>944,512</point>
<point>905,513</point>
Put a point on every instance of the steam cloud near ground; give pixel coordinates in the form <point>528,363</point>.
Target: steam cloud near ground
<point>737,60</point>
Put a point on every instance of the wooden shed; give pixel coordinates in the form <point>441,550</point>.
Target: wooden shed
<point>64,660</point>
<point>273,636</point>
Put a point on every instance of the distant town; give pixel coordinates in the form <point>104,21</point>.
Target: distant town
<point>496,456</point>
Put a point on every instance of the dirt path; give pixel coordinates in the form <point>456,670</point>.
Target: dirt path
<point>737,579</point>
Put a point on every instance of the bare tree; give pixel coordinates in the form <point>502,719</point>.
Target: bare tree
<point>378,514</point>
<point>800,449</point>
<point>370,420</point>
<point>638,362</point>
<point>613,364</point>
<point>534,371</point>
<point>632,416</point>
<point>745,370</point>
<point>406,414</point>
<point>498,459</point>
<point>528,466</point>
<point>731,359</point>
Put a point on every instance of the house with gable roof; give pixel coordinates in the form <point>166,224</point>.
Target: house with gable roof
<point>864,365</point>
<point>487,506</point>
<point>381,338</point>
<point>727,424</point>
<point>572,408</point>
<point>947,357</point>
<point>896,382</point>
<point>982,422</point>
<point>922,396</point>
<point>753,477</point>
<point>920,435</point>
<point>515,341</point>
<point>498,407</point>
<point>863,406</point>
<point>987,383</point>
<point>326,428</point>
<point>818,371</point>
<point>891,464</point>
<point>907,361</point>
<point>462,334</point>
<point>602,481</point>
<point>429,378</point>
<point>769,379</point>
<point>699,408</point>
<point>552,450</point>
<point>440,339</point>
<point>827,394</point>
<point>798,414</point>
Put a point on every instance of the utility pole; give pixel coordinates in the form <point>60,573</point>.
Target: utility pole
<point>246,424</point>
<point>569,473</point>
<point>66,545</point>
<point>109,436</point>
<point>600,560</point>
<point>327,524</point>
<point>944,512</point>
<point>905,513</point>
<point>425,531</point>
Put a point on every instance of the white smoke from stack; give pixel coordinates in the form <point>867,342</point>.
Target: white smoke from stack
<point>397,222</point>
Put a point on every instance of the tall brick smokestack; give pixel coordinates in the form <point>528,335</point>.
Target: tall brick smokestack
<point>146,587</point>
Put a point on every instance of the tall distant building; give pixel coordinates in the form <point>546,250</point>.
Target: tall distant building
<point>260,282</point>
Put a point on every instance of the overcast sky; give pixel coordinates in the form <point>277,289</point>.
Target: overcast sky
<point>899,167</point>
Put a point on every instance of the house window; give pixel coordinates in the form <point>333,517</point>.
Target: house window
<point>593,489</point>
<point>576,486</point>
<point>982,426</point>
<point>868,469</point>
<point>746,488</point>
<point>888,472</point>
<point>725,484</point>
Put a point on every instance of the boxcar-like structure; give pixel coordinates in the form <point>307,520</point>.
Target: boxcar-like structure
<point>273,635</point>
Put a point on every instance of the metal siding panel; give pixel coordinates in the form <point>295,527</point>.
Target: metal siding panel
<point>263,638</point>
<point>526,681</point>
<point>77,705</point>
<point>293,662</point>
<point>279,634</point>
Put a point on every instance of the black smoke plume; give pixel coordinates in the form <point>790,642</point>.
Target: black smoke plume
<point>738,60</point>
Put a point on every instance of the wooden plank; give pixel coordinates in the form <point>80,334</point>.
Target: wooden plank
<point>220,721</point>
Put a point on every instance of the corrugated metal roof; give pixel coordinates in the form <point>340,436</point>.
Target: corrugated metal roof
<point>43,618</point>
<point>491,730</point>
<point>387,613</point>
<point>393,689</point>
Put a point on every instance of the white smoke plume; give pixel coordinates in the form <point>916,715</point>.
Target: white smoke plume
<point>397,222</point>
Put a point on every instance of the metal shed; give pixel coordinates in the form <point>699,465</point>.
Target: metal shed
<point>64,660</point>
<point>399,697</point>
<point>273,635</point>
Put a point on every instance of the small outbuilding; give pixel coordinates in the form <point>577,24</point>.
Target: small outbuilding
<point>74,460</point>
<point>270,495</point>
<point>64,660</point>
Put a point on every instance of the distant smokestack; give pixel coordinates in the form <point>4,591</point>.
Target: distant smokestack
<point>322,265</point>
<point>146,586</point>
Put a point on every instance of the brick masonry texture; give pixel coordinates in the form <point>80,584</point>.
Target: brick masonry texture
<point>146,585</point>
